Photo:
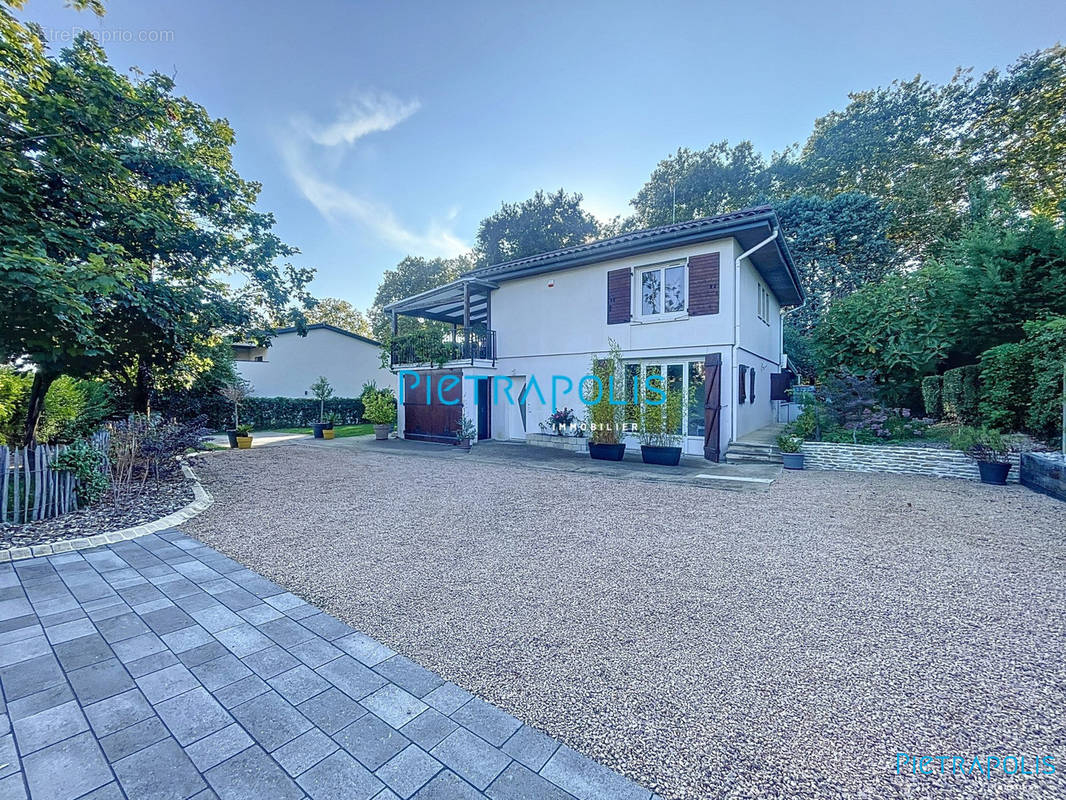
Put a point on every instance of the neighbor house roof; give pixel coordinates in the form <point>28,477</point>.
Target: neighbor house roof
<point>749,227</point>
<point>326,327</point>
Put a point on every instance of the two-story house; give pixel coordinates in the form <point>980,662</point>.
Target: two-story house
<point>699,302</point>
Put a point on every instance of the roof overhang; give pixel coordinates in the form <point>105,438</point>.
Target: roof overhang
<point>447,303</point>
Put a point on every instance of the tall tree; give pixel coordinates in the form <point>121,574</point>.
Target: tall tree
<point>121,218</point>
<point>839,245</point>
<point>341,314</point>
<point>540,224</point>
<point>411,276</point>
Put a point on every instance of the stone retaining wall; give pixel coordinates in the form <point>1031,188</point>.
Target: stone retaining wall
<point>930,461</point>
<point>575,444</point>
<point>1044,473</point>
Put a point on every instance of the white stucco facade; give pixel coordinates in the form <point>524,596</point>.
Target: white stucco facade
<point>293,362</point>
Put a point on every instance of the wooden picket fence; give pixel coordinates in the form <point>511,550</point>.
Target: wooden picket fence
<point>30,489</point>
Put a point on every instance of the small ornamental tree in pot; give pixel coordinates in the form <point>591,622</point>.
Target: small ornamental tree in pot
<point>605,419</point>
<point>380,409</point>
<point>790,445</point>
<point>660,442</point>
<point>465,433</point>
<point>323,391</point>
<point>236,392</point>
<point>987,448</point>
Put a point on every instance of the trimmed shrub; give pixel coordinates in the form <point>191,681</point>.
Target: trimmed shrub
<point>960,394</point>
<point>265,413</point>
<point>1006,386</point>
<point>1045,343</point>
<point>932,388</point>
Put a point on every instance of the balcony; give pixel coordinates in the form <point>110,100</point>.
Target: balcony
<point>437,347</point>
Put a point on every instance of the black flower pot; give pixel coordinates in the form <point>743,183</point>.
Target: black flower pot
<point>318,427</point>
<point>792,460</point>
<point>607,452</point>
<point>231,433</point>
<point>993,472</point>
<point>664,456</point>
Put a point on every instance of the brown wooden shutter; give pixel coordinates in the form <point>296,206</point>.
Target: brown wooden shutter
<point>619,296</point>
<point>741,394</point>
<point>712,406</point>
<point>751,376</point>
<point>703,274</point>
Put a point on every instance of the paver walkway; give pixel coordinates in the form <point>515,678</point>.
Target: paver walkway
<point>160,668</point>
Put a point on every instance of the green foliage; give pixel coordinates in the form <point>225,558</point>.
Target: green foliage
<point>380,406</point>
<point>981,444</point>
<point>322,391</point>
<point>960,394</point>
<point>838,245</point>
<point>788,443</point>
<point>89,466</point>
<point>1005,379</point>
<point>123,225</point>
<point>1045,345</point>
<point>932,395</point>
<point>466,431</point>
<point>605,420</point>
<point>412,276</point>
<point>543,223</point>
<point>659,424</point>
<point>14,393</point>
<point>340,314</point>
<point>72,408</point>
<point>244,430</point>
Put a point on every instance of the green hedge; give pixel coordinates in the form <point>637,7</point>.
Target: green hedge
<point>1006,386</point>
<point>264,413</point>
<point>932,390</point>
<point>960,394</point>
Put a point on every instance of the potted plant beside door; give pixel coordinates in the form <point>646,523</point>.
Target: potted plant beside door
<point>658,425</point>
<point>605,419</point>
<point>790,445</point>
<point>380,409</point>
<point>323,391</point>
<point>465,433</point>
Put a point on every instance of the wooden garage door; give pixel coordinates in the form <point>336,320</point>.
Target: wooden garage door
<point>428,418</point>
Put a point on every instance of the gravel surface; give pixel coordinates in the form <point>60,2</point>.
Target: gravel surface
<point>158,499</point>
<point>704,643</point>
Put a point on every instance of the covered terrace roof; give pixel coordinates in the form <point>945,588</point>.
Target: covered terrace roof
<point>448,303</point>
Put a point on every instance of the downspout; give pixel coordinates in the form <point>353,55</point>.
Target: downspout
<point>734,367</point>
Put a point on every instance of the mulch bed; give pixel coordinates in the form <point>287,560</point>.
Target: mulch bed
<point>158,499</point>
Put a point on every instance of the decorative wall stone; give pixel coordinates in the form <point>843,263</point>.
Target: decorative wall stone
<point>898,459</point>
<point>575,444</point>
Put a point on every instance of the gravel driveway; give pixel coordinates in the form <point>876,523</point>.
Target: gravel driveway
<point>704,643</point>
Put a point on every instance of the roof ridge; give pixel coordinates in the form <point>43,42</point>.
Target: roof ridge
<point>631,235</point>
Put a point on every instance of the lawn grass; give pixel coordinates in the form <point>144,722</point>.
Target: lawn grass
<point>339,431</point>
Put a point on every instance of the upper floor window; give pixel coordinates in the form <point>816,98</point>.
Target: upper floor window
<point>764,304</point>
<point>662,290</point>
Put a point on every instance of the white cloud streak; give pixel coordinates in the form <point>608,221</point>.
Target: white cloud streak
<point>365,115</point>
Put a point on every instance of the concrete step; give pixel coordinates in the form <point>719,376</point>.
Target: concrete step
<point>736,458</point>
<point>752,453</point>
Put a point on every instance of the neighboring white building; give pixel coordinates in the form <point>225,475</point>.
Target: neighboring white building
<point>291,363</point>
<point>698,301</point>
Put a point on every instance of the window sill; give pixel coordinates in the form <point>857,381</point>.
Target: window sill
<point>659,318</point>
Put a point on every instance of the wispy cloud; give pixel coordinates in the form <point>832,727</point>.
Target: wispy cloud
<point>310,144</point>
<point>366,114</point>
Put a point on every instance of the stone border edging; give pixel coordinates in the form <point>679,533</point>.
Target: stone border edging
<point>202,500</point>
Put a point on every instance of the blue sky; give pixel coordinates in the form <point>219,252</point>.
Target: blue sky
<point>385,128</point>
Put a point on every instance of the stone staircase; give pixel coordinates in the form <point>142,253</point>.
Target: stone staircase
<point>757,447</point>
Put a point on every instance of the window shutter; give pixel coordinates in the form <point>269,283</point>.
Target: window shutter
<point>619,296</point>
<point>751,394</point>
<point>703,274</point>
<point>741,397</point>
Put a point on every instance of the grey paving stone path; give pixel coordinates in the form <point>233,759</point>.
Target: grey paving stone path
<point>160,668</point>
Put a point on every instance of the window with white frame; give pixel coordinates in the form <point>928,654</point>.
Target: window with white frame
<point>764,304</point>
<point>662,290</point>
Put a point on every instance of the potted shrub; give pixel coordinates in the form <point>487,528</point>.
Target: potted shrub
<point>659,444</point>
<point>465,433</point>
<point>244,436</point>
<point>987,448</point>
<point>380,409</point>
<point>331,423</point>
<point>236,392</point>
<point>323,391</point>
<point>789,446</point>
<point>605,419</point>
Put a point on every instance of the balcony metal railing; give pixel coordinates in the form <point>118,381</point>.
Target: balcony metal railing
<point>439,348</point>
